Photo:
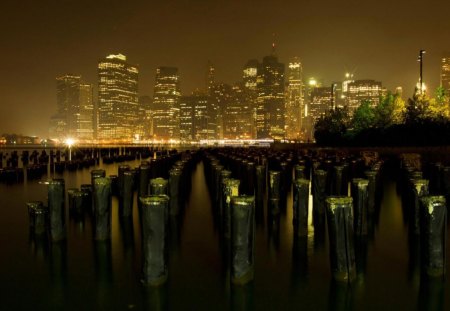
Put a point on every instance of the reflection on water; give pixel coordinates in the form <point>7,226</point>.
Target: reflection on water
<point>291,273</point>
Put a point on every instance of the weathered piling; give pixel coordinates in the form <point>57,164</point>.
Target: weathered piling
<point>419,189</point>
<point>102,208</point>
<point>340,231</point>
<point>242,239</point>
<point>260,172</point>
<point>338,187</point>
<point>230,189</point>
<point>155,213</point>
<point>127,193</point>
<point>434,235</point>
<point>144,179</point>
<point>300,172</point>
<point>97,174</point>
<point>56,205</point>
<point>371,189</point>
<point>87,189</point>
<point>174,191</point>
<point>120,179</point>
<point>77,202</point>
<point>360,197</point>
<point>274,185</point>
<point>37,213</point>
<point>319,193</point>
<point>301,199</point>
<point>158,186</point>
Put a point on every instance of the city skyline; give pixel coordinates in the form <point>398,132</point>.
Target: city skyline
<point>377,44</point>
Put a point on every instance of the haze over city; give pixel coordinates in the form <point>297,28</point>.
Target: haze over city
<point>46,39</point>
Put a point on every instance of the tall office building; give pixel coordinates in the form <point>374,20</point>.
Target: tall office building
<point>186,118</point>
<point>218,100</point>
<point>85,116</point>
<point>250,75</point>
<point>294,100</point>
<point>166,105</point>
<point>75,110</point>
<point>270,111</point>
<point>145,124</point>
<point>445,72</point>
<point>320,104</point>
<point>117,99</point>
<point>363,90</point>
<point>210,77</point>
<point>238,120</point>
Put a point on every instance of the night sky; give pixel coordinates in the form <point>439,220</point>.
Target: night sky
<point>41,40</point>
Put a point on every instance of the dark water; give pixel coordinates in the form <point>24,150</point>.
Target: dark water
<point>289,274</point>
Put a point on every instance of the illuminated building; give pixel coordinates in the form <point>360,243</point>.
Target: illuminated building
<point>270,111</point>
<point>320,102</point>
<point>186,118</point>
<point>202,127</point>
<point>117,98</point>
<point>250,75</point>
<point>166,105</point>
<point>363,90</point>
<point>445,73</point>
<point>145,124</point>
<point>294,100</point>
<point>238,116</point>
<point>195,122</point>
<point>84,120</point>
<point>210,77</point>
<point>75,109</point>
<point>219,99</point>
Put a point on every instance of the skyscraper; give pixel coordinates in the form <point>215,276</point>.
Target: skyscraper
<point>145,115</point>
<point>270,111</point>
<point>294,100</point>
<point>445,72</point>
<point>75,110</point>
<point>210,77</point>
<point>218,100</point>
<point>84,128</point>
<point>238,121</point>
<point>250,75</point>
<point>187,118</point>
<point>363,90</point>
<point>117,98</point>
<point>166,105</point>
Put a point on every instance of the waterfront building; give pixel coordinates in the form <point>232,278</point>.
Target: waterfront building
<point>145,124</point>
<point>74,117</point>
<point>363,90</point>
<point>270,111</point>
<point>117,99</point>
<point>238,118</point>
<point>295,110</point>
<point>166,105</point>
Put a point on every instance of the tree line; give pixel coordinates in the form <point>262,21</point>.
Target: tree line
<point>420,121</point>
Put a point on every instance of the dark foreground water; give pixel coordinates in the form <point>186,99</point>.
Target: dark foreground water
<point>289,275</point>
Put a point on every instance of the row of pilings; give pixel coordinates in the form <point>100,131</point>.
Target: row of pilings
<point>346,195</point>
<point>248,186</point>
<point>17,166</point>
<point>161,185</point>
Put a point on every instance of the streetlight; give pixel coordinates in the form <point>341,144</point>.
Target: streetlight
<point>70,142</point>
<point>420,60</point>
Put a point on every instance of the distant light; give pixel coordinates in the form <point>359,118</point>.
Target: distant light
<point>69,142</point>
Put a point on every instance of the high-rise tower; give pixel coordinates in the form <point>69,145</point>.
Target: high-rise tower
<point>445,72</point>
<point>75,110</point>
<point>294,100</point>
<point>117,98</point>
<point>166,105</point>
<point>270,111</point>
